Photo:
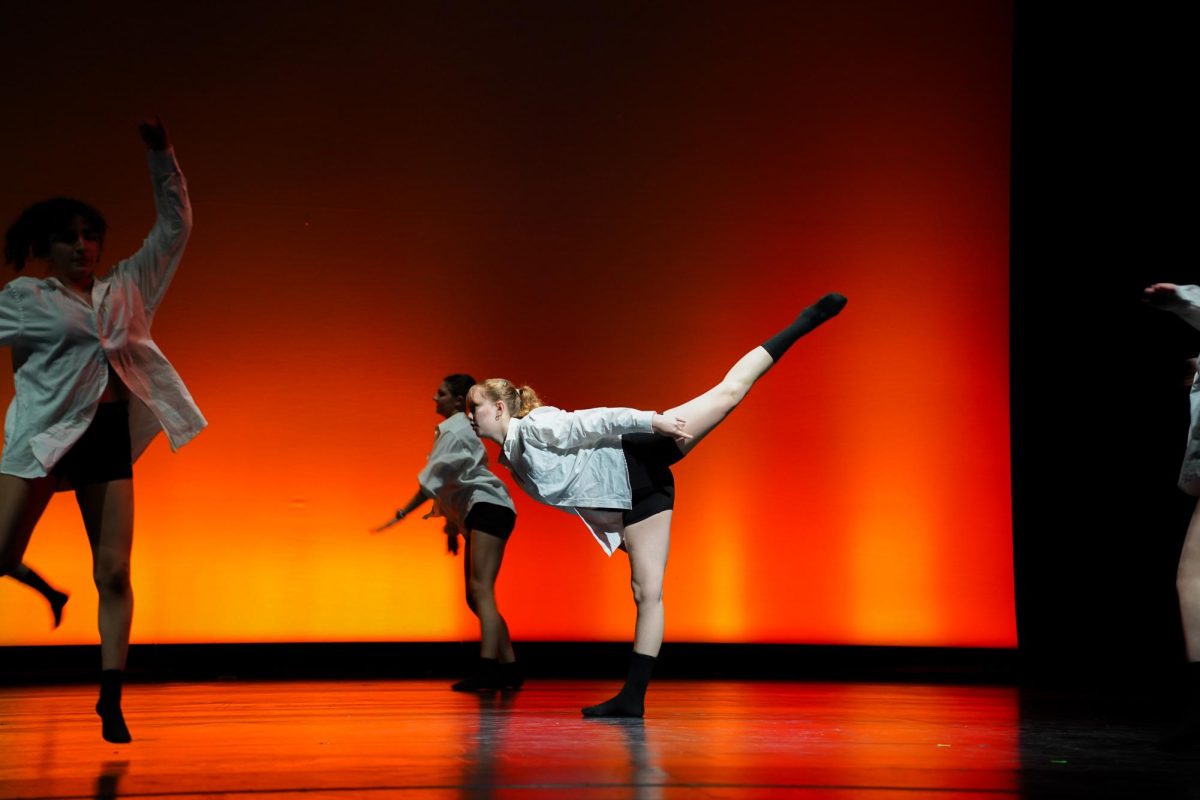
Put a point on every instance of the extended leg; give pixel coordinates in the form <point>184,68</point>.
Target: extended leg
<point>702,414</point>
<point>22,502</point>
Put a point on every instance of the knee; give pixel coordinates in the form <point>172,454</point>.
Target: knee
<point>479,592</point>
<point>732,391</point>
<point>112,580</point>
<point>645,595</point>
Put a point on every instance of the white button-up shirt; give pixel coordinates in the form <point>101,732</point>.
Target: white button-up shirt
<point>573,460</point>
<point>456,475</point>
<point>62,347</point>
<point>1187,306</point>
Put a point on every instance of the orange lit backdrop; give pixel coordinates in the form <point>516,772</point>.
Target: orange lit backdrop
<point>611,205</point>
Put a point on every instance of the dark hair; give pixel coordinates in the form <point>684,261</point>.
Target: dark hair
<point>30,235</point>
<point>459,384</point>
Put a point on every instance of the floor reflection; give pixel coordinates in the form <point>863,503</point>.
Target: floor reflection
<point>713,739</point>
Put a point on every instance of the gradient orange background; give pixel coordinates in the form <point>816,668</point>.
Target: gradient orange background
<point>611,202</point>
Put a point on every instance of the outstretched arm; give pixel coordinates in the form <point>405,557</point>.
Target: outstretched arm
<point>152,267</point>
<point>415,502</point>
<point>1181,300</point>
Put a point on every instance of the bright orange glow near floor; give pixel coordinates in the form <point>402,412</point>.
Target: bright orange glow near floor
<point>614,232</point>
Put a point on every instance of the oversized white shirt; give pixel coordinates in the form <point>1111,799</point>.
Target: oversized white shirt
<point>456,475</point>
<point>1187,306</point>
<point>573,460</point>
<point>62,347</point>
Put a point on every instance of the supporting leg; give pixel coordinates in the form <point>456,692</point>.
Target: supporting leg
<point>107,510</point>
<point>648,543</point>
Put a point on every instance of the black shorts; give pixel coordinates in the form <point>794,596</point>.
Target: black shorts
<point>491,519</point>
<point>102,454</point>
<point>649,457</point>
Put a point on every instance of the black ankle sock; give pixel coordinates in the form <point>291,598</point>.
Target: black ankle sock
<point>631,700</point>
<point>112,721</point>
<point>824,309</point>
<point>486,677</point>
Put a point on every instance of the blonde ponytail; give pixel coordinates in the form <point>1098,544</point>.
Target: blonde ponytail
<point>519,401</point>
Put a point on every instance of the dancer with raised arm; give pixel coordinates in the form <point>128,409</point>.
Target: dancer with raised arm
<point>92,388</point>
<point>612,466</point>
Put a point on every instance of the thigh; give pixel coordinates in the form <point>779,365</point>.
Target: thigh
<point>22,501</point>
<point>107,510</point>
<point>1189,556</point>
<point>486,553</point>
<point>647,543</point>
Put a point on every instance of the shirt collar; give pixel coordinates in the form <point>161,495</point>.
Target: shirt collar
<point>510,440</point>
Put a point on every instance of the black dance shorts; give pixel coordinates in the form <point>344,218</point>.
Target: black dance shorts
<point>491,519</point>
<point>102,454</point>
<point>649,458</point>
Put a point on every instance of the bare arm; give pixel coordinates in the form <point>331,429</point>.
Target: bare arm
<point>415,502</point>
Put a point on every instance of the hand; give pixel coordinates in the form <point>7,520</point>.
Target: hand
<point>399,516</point>
<point>154,134</point>
<point>670,426</point>
<point>1160,293</point>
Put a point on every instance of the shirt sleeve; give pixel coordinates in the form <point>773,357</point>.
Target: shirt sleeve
<point>570,429</point>
<point>152,267</point>
<point>450,457</point>
<point>1186,304</point>
<point>10,316</point>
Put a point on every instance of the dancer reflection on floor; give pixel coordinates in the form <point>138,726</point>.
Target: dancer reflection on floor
<point>476,504</point>
<point>612,466</point>
<point>92,389</point>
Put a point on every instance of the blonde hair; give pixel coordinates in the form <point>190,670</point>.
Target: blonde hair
<point>519,400</point>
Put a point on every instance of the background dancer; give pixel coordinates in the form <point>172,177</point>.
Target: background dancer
<point>476,503</point>
<point>92,388</point>
<point>612,466</point>
<point>1185,301</point>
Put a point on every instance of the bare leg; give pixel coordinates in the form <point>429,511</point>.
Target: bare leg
<point>57,599</point>
<point>702,414</point>
<point>22,502</point>
<point>486,553</point>
<point>497,662</point>
<point>107,510</point>
<point>1188,584</point>
<point>648,543</point>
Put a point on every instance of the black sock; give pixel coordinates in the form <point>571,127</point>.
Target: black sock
<point>824,309</point>
<point>112,721</point>
<point>487,677</point>
<point>631,700</point>
<point>53,596</point>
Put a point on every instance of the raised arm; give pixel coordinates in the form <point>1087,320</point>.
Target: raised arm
<point>152,267</point>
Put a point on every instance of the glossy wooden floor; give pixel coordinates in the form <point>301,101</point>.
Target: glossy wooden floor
<point>700,739</point>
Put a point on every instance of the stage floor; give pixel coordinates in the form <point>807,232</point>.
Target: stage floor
<point>708,739</point>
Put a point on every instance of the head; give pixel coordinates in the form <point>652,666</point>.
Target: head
<point>492,404</point>
<point>451,396</point>
<point>67,234</point>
